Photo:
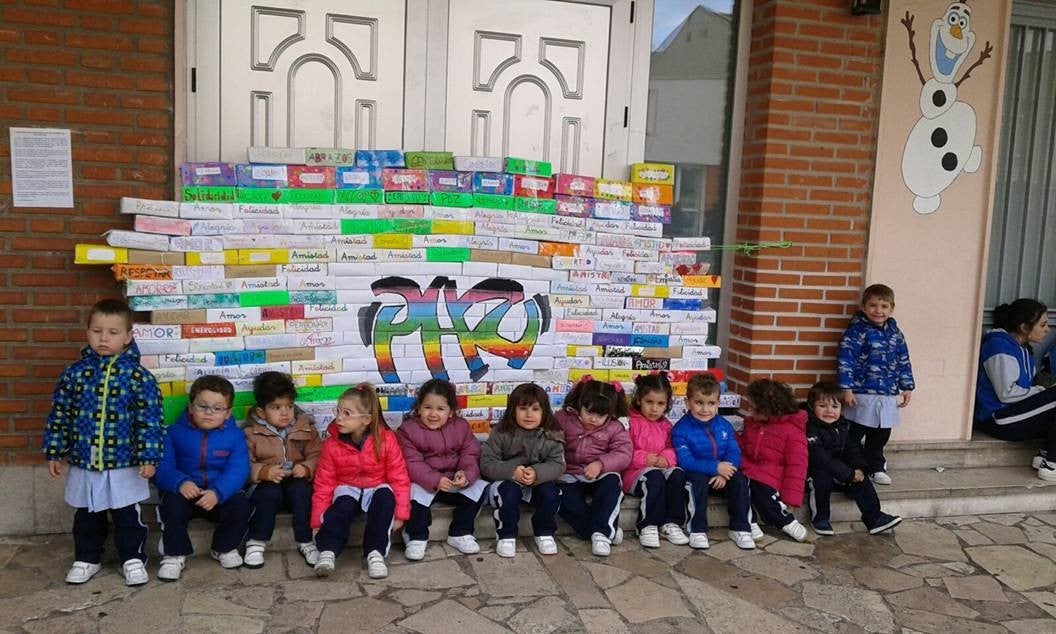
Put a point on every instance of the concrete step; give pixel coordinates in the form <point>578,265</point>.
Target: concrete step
<point>980,451</point>
<point>916,493</point>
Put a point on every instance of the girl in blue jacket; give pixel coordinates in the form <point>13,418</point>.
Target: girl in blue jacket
<point>201,474</point>
<point>707,451</point>
<point>1007,403</point>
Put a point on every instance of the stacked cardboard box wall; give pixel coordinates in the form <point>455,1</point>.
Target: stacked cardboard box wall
<point>340,267</point>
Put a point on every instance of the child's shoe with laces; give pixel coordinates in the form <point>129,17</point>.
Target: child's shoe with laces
<point>673,533</point>
<point>135,572</point>
<point>465,544</point>
<point>81,571</point>
<point>254,553</point>
<point>649,537</point>
<point>309,552</point>
<point>325,564</point>
<point>376,568</point>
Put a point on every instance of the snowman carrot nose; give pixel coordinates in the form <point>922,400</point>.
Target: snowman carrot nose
<point>956,32</point>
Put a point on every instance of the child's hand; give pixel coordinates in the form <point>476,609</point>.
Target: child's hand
<point>190,491</point>
<point>593,470</point>
<point>55,468</point>
<point>397,524</point>
<point>445,485</point>
<point>651,460</point>
<point>300,471</point>
<point>460,480</point>
<point>905,398</point>
<point>529,476</point>
<point>276,474</point>
<point>147,471</point>
<point>519,474</point>
<point>858,476</point>
<point>661,462</point>
<point>726,470</point>
<point>848,399</point>
<point>717,482</point>
<point>207,501</point>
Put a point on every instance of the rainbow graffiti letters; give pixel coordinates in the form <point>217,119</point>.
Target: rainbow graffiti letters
<point>379,325</point>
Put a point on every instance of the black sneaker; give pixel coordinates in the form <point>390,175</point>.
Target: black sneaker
<point>885,522</point>
<point>822,527</point>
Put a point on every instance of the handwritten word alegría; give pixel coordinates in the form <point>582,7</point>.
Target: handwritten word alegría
<point>379,325</point>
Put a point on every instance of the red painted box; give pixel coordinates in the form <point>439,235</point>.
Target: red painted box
<point>574,185</point>
<point>312,177</point>
<point>533,186</point>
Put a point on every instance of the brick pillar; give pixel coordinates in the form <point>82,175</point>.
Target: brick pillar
<point>807,173</point>
<point>103,69</point>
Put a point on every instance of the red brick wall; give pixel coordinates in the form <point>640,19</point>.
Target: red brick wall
<point>103,69</point>
<point>809,145</point>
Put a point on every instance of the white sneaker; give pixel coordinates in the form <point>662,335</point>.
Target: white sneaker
<point>757,533</point>
<point>135,573</point>
<point>376,568</point>
<point>254,553</point>
<point>795,530</point>
<point>414,550</point>
<point>600,545</point>
<point>171,567</point>
<point>230,559</point>
<point>309,552</point>
<point>465,544</point>
<point>325,563</point>
<point>546,545</point>
<point>1047,471</point>
<point>616,541</point>
<point>673,533</point>
<point>699,541</point>
<point>506,547</point>
<point>743,539</point>
<point>81,572</point>
<point>880,477</point>
<point>1039,458</point>
<point>649,537</point>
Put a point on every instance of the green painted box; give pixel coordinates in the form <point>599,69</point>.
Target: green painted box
<point>528,168</point>
<point>493,201</point>
<point>264,298</point>
<point>359,226</point>
<point>285,196</point>
<point>451,199</point>
<point>535,205</point>
<point>359,196</point>
<point>417,226</point>
<point>407,198</point>
<point>445,254</point>
<point>429,160</point>
<point>208,194</point>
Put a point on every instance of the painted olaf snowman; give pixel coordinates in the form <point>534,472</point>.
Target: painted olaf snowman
<point>942,143</point>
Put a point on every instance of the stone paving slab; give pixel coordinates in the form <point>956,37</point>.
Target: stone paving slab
<point>990,573</point>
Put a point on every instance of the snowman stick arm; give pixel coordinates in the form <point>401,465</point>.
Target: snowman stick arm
<point>908,23</point>
<point>983,56</point>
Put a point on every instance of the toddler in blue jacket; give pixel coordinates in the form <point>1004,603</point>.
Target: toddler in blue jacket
<point>202,472</point>
<point>707,451</point>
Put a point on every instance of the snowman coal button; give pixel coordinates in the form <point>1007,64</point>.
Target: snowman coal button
<point>949,162</point>
<point>939,138</point>
<point>939,99</point>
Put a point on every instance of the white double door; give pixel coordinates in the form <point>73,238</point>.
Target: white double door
<point>541,79</point>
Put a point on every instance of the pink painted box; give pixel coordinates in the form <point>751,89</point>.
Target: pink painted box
<point>163,226</point>
<point>208,174</point>
<point>574,185</point>
<point>450,181</point>
<point>575,206</point>
<point>312,177</point>
<point>401,180</point>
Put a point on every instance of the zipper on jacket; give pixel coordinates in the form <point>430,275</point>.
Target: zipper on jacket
<point>201,463</point>
<point>100,437</point>
<point>758,445</point>
<point>714,445</point>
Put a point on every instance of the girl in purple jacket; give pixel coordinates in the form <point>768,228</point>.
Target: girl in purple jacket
<point>443,458</point>
<point>597,449</point>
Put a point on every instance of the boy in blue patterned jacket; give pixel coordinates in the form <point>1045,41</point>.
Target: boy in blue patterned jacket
<point>105,421</point>
<point>875,376</point>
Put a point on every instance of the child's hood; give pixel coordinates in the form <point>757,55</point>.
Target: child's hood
<point>569,419</point>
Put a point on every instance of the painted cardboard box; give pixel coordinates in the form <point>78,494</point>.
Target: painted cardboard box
<point>450,181</point>
<point>404,180</point>
<point>351,177</point>
<point>208,174</point>
<point>648,194</point>
<point>478,163</point>
<point>429,160</point>
<point>265,176</point>
<point>574,185</point>
<point>327,156</point>
<point>379,158</point>
<point>612,189</point>
<point>533,187</point>
<point>493,183</point>
<point>312,177</point>
<point>528,167</point>
<point>653,173</point>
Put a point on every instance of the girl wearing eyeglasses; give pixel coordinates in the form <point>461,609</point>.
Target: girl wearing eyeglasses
<point>361,472</point>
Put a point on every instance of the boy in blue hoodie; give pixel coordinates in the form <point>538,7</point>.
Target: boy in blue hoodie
<point>707,451</point>
<point>201,474</point>
<point>105,422</point>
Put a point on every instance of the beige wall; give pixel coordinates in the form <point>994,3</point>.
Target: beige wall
<point>936,262</point>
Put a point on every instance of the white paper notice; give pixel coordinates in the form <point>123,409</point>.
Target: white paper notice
<point>41,167</point>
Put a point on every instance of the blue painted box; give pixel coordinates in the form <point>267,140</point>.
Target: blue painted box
<point>379,158</point>
<point>493,183</point>
<point>358,177</point>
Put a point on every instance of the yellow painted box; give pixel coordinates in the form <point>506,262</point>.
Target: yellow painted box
<point>263,256</point>
<point>99,254</point>
<point>653,173</point>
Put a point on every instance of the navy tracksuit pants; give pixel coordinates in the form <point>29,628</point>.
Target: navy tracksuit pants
<point>663,498</point>
<point>269,498</point>
<point>90,531</point>
<point>546,499</point>
<point>462,520</point>
<point>601,515</point>
<point>875,440</point>
<point>768,505</point>
<point>231,519</point>
<point>737,497</point>
<point>337,522</point>
<point>863,493</point>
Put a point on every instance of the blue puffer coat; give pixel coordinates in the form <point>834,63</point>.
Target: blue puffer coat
<point>874,359</point>
<point>110,403</point>
<point>701,446</point>
<point>217,459</point>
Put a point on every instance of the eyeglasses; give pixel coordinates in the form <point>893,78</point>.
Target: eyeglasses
<point>340,412</point>
<point>209,409</point>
